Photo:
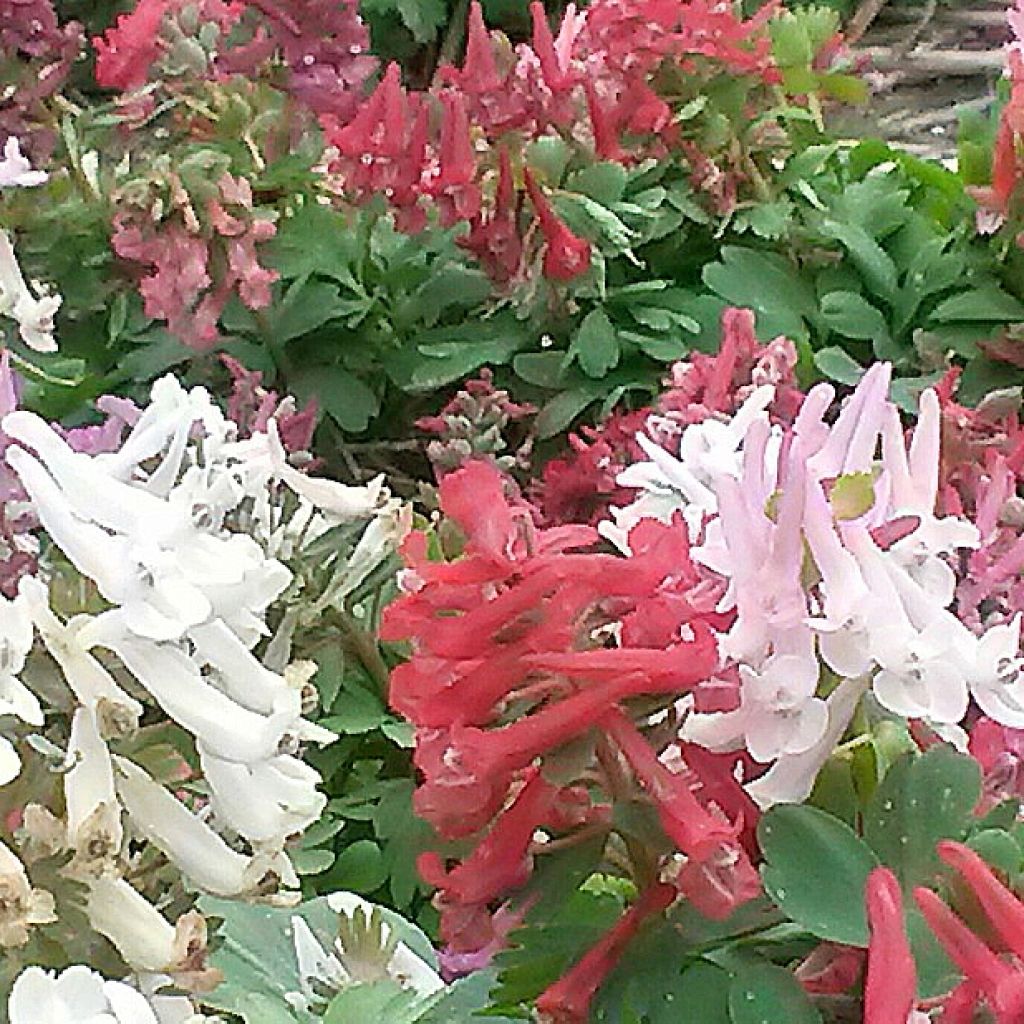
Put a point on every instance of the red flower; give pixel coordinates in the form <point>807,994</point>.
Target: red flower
<point>697,833</point>
<point>891,987</point>
<point>1004,911</point>
<point>568,1000</point>
<point>1001,983</point>
<point>566,255</point>
<point>453,188</point>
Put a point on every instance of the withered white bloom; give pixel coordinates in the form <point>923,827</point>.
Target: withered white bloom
<point>146,940</point>
<point>33,308</point>
<point>198,852</point>
<point>77,995</point>
<point>117,713</point>
<point>15,698</point>
<point>15,169</point>
<point>93,813</point>
<point>21,906</point>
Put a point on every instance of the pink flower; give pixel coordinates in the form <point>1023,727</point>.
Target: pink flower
<point>126,51</point>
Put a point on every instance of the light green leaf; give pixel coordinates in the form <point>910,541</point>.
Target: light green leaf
<point>920,801</point>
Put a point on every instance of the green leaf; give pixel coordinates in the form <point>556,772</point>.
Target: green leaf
<point>989,302</point>
<point>359,868</point>
<point>767,284</point>
<point>816,868</point>
<point>603,182</point>
<point>255,951</point>
<point>874,263</point>
<point>342,395</point>
<point>307,305</point>
<point>429,366</point>
<point>853,316</point>
<point>852,495</point>
<point>548,155</point>
<point>422,17</point>
<point>376,1001</point>
<point>920,801</point>
<point>595,345</point>
<point>562,410</point>
<point>765,994</point>
<point>998,848</point>
<point>837,365</point>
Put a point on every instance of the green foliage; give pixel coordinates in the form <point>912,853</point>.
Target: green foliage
<point>816,867</point>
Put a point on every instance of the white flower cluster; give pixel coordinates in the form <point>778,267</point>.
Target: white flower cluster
<point>827,539</point>
<point>178,532</point>
<point>32,307</point>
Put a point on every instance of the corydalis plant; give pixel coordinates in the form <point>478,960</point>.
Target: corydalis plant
<point>162,577</point>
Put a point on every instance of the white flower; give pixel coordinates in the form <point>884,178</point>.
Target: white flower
<point>141,934</point>
<point>117,712</point>
<point>688,483</point>
<point>791,779</point>
<point>405,967</point>
<point>921,675</point>
<point>75,996</point>
<point>265,802</point>
<point>15,169</point>
<point>200,854</point>
<point>15,698</point>
<point>34,310</point>
<point>995,674</point>
<point>778,715</point>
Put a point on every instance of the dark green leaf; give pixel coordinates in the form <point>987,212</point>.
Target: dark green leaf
<point>816,868</point>
<point>765,994</point>
<point>595,344</point>
<point>920,801</point>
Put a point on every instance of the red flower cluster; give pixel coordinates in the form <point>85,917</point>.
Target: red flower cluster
<point>126,52</point>
<point>993,978</point>
<point>195,266</point>
<point>323,44</point>
<point>446,145</point>
<point>531,641</point>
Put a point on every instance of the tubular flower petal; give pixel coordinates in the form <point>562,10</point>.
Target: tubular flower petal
<point>567,1001</point>
<point>891,986</point>
<point>566,255</point>
<point>1004,911</point>
<point>1001,983</point>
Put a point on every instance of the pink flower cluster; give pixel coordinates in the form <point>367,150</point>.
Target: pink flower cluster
<point>194,265</point>
<point>982,472</point>
<point>529,642</point>
<point>323,45</point>
<point>580,486</point>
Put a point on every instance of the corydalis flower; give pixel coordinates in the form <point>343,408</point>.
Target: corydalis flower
<point>77,995</point>
<point>33,308</point>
